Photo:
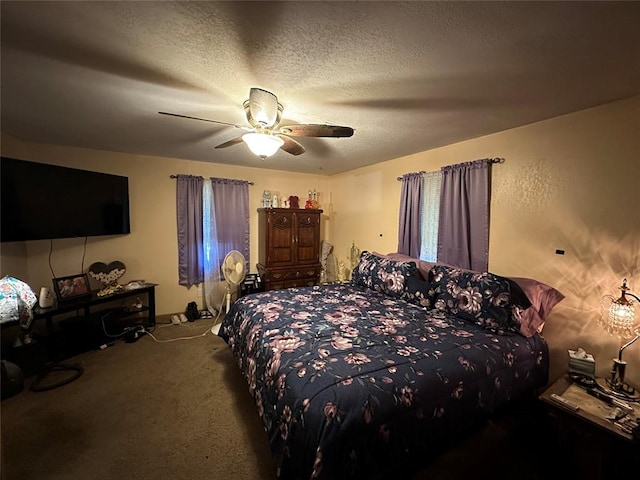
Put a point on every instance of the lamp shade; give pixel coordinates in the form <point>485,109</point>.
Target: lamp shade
<point>16,301</point>
<point>262,144</point>
<point>617,315</point>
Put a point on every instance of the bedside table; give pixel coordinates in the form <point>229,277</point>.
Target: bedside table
<point>596,446</point>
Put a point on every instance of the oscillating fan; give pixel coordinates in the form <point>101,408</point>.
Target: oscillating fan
<point>234,271</point>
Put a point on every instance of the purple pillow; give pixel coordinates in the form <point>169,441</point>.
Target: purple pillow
<point>543,298</point>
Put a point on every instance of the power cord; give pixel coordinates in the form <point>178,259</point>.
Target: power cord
<point>209,329</point>
<point>84,253</point>
<point>144,331</point>
<point>133,332</point>
<point>53,275</point>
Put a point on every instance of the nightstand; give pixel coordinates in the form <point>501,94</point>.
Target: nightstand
<point>595,446</point>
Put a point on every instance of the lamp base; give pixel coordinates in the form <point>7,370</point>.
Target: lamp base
<point>622,391</point>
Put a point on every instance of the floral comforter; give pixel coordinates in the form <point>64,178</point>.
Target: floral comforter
<point>350,382</point>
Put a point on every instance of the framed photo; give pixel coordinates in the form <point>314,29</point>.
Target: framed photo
<point>71,287</point>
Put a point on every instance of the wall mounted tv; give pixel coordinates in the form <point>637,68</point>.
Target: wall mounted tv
<point>41,201</point>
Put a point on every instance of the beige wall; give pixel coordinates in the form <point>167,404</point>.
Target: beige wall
<point>150,251</point>
<point>567,183</point>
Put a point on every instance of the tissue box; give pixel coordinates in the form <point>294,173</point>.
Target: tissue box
<point>582,363</point>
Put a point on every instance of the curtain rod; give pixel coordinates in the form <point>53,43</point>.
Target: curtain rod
<point>490,160</point>
<point>176,176</point>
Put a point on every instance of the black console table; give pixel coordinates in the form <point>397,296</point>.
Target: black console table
<point>86,307</point>
<point>86,304</point>
<point>84,322</point>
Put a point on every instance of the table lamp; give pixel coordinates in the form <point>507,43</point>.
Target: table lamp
<point>16,301</point>
<point>617,317</point>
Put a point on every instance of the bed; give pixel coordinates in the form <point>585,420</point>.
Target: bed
<point>354,379</point>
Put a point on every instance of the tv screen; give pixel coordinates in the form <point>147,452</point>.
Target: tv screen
<point>41,201</point>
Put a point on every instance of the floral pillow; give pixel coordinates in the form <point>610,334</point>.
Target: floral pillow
<point>424,267</point>
<point>419,291</point>
<point>382,274</point>
<point>480,297</point>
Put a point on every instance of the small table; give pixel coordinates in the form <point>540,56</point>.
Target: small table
<point>83,307</point>
<point>597,446</point>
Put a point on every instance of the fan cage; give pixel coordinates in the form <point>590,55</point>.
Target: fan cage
<point>234,267</point>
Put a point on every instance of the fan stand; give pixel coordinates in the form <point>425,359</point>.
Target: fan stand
<point>228,298</point>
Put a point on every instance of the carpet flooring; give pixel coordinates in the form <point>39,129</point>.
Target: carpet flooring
<point>177,407</point>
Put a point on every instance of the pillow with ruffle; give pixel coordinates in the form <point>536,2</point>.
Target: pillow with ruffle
<point>382,274</point>
<point>479,297</point>
<point>543,298</point>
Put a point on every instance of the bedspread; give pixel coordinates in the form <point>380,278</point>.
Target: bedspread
<point>349,381</point>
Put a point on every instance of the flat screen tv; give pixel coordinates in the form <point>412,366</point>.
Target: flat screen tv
<point>41,201</point>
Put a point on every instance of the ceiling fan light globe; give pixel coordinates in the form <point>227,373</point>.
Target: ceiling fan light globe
<point>262,144</point>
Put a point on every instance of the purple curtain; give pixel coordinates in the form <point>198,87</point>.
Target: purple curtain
<point>189,217</point>
<point>463,230</point>
<point>231,204</point>
<point>409,222</point>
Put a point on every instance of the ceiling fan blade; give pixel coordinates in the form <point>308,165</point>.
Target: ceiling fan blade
<point>229,143</point>
<point>312,130</point>
<point>205,120</point>
<point>291,146</point>
<point>263,107</point>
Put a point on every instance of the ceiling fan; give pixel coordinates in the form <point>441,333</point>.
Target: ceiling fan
<point>265,135</point>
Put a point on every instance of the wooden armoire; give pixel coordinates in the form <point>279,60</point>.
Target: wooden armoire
<point>289,247</point>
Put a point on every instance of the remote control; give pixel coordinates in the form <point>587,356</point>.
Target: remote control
<point>564,402</point>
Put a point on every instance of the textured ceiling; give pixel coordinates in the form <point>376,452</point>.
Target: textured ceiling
<point>407,77</point>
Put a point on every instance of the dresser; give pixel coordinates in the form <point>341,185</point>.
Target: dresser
<point>289,247</point>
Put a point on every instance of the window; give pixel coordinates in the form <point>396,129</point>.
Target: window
<point>459,221</point>
<point>213,219</point>
<point>430,216</point>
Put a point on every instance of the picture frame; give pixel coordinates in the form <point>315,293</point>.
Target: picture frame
<point>72,287</point>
